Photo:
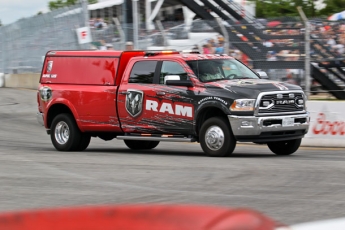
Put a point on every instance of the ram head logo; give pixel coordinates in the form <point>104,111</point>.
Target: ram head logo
<point>134,102</point>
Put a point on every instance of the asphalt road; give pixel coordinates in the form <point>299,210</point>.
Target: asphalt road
<point>306,186</point>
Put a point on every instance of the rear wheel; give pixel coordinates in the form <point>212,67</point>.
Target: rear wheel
<point>284,147</point>
<point>65,134</point>
<point>216,138</point>
<point>84,142</point>
<point>136,144</point>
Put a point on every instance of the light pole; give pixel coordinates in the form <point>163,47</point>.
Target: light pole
<point>135,24</point>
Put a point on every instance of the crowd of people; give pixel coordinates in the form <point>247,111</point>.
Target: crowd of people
<point>327,38</point>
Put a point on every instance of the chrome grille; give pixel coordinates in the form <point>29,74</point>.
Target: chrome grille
<point>286,102</point>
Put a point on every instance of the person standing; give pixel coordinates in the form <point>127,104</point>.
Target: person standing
<point>129,46</point>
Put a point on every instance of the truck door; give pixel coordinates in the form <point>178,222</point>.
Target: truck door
<point>147,105</point>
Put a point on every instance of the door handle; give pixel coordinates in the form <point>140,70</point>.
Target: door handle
<point>160,93</point>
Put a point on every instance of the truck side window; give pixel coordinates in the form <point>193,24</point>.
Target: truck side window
<point>172,68</point>
<point>143,72</point>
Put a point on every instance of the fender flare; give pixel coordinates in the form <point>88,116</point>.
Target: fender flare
<point>68,104</point>
<point>210,104</point>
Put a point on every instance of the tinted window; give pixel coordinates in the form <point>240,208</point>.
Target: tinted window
<point>218,69</point>
<point>143,72</point>
<point>172,68</point>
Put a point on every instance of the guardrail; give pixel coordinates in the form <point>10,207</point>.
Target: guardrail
<point>27,81</point>
<point>2,80</point>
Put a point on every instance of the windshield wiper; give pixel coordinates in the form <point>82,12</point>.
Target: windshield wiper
<point>217,79</point>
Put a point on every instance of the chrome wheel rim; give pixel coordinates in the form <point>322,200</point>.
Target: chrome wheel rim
<point>62,132</point>
<point>214,137</point>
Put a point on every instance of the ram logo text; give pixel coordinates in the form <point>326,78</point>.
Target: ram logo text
<point>285,102</point>
<point>185,111</point>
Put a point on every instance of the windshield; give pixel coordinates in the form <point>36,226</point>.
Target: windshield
<point>220,69</point>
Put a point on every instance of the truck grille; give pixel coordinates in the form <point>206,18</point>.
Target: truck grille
<point>281,103</point>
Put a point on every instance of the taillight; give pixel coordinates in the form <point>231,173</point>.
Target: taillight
<point>39,101</point>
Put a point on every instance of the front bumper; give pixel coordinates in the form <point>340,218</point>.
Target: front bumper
<point>270,128</point>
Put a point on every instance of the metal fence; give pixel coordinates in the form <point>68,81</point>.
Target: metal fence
<point>24,43</point>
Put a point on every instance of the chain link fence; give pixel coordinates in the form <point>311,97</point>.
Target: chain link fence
<point>24,43</point>
<point>276,46</point>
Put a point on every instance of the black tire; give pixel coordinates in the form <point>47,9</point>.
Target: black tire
<point>217,127</point>
<point>84,142</point>
<point>136,144</point>
<point>284,147</point>
<point>65,134</point>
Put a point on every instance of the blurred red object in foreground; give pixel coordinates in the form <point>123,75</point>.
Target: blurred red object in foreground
<point>138,217</point>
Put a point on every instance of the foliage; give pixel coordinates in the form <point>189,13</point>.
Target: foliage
<point>332,7</point>
<point>288,8</point>
<point>65,3</point>
<point>0,23</point>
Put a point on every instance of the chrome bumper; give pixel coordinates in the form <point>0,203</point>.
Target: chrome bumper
<point>255,126</point>
<point>40,118</point>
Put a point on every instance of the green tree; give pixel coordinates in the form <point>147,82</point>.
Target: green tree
<point>0,23</point>
<point>332,7</point>
<point>279,8</point>
<point>52,5</point>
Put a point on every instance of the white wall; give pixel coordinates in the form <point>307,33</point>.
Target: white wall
<point>327,125</point>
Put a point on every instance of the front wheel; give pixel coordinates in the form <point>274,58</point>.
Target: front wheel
<point>284,147</point>
<point>216,138</point>
<point>136,144</point>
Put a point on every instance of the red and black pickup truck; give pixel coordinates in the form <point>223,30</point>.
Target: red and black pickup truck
<point>144,97</point>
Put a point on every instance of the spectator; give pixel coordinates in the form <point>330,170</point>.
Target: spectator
<point>109,46</point>
<point>206,49</point>
<point>98,23</point>
<point>271,56</point>
<point>129,46</point>
<point>220,48</point>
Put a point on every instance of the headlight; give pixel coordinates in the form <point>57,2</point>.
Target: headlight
<point>243,105</point>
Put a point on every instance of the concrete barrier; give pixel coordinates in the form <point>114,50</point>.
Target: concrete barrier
<point>28,81</point>
<point>327,124</point>
<point>2,80</point>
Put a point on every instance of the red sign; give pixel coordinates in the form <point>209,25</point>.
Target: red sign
<point>324,127</point>
<point>83,34</point>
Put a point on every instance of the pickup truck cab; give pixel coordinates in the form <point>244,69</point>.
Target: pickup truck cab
<point>144,97</point>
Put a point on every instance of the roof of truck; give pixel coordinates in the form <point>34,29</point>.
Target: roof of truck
<point>185,55</point>
<point>76,53</point>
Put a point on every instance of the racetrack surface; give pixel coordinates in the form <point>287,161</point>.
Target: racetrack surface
<point>306,186</point>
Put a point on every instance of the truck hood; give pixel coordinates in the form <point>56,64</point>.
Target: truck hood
<point>250,88</point>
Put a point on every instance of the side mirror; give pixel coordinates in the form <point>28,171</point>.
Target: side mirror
<point>262,74</point>
<point>171,77</point>
<point>176,81</point>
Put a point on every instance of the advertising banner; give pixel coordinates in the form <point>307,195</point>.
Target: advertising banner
<point>84,35</point>
<point>327,124</point>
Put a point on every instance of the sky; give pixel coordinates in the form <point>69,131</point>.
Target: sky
<point>13,10</point>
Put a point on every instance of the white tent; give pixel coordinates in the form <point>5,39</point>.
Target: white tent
<point>96,6</point>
